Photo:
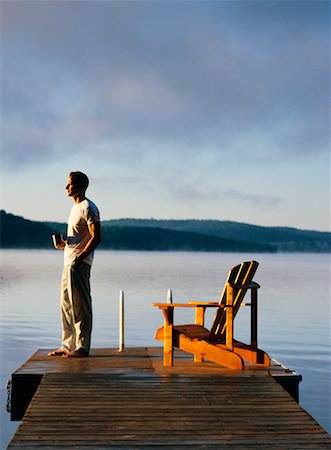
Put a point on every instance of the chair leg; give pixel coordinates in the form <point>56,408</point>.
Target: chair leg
<point>198,358</point>
<point>168,339</point>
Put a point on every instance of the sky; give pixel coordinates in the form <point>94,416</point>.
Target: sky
<point>174,109</point>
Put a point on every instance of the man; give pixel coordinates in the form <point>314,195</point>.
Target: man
<point>83,236</point>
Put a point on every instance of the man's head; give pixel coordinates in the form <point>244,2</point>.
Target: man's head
<point>77,184</point>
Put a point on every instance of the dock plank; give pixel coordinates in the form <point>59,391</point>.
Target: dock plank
<point>129,400</point>
<point>112,411</point>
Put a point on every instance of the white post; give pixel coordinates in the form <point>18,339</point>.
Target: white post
<point>121,322</point>
<point>169,296</point>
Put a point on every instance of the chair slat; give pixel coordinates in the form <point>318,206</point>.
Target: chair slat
<point>240,275</point>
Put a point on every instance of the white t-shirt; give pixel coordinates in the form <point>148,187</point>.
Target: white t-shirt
<point>81,215</point>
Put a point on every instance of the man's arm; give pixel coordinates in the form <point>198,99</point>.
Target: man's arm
<point>95,232</point>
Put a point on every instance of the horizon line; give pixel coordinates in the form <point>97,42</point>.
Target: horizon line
<point>182,220</point>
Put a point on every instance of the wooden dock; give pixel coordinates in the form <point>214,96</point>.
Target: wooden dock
<point>129,400</point>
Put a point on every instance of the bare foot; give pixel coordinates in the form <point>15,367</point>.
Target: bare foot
<point>58,352</point>
<point>80,353</point>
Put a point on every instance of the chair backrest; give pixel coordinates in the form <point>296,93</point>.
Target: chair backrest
<point>241,275</point>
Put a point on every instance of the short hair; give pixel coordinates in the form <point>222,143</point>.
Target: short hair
<point>79,179</point>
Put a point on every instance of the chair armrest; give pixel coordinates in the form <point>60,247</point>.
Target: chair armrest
<point>206,304</point>
<point>187,305</point>
<point>200,307</point>
<point>173,305</point>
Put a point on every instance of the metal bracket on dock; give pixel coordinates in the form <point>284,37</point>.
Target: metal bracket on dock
<point>8,404</point>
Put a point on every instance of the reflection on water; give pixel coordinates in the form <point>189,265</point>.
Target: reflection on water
<point>294,309</point>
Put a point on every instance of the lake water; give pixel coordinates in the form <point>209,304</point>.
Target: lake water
<point>294,308</point>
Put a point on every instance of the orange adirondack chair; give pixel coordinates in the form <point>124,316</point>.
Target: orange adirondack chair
<point>216,344</point>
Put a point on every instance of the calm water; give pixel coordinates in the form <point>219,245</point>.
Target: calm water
<point>294,308</point>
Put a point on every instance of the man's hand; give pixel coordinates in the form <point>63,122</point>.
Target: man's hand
<point>95,232</point>
<point>76,262</point>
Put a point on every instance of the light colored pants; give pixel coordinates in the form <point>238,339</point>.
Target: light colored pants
<point>76,307</point>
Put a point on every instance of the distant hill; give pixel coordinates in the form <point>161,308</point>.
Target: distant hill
<point>155,238</point>
<point>284,239</point>
<point>17,232</point>
<point>171,235</point>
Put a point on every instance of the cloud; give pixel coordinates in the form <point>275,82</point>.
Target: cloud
<point>265,202</point>
<point>206,193</point>
<point>31,147</point>
<point>243,78</point>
